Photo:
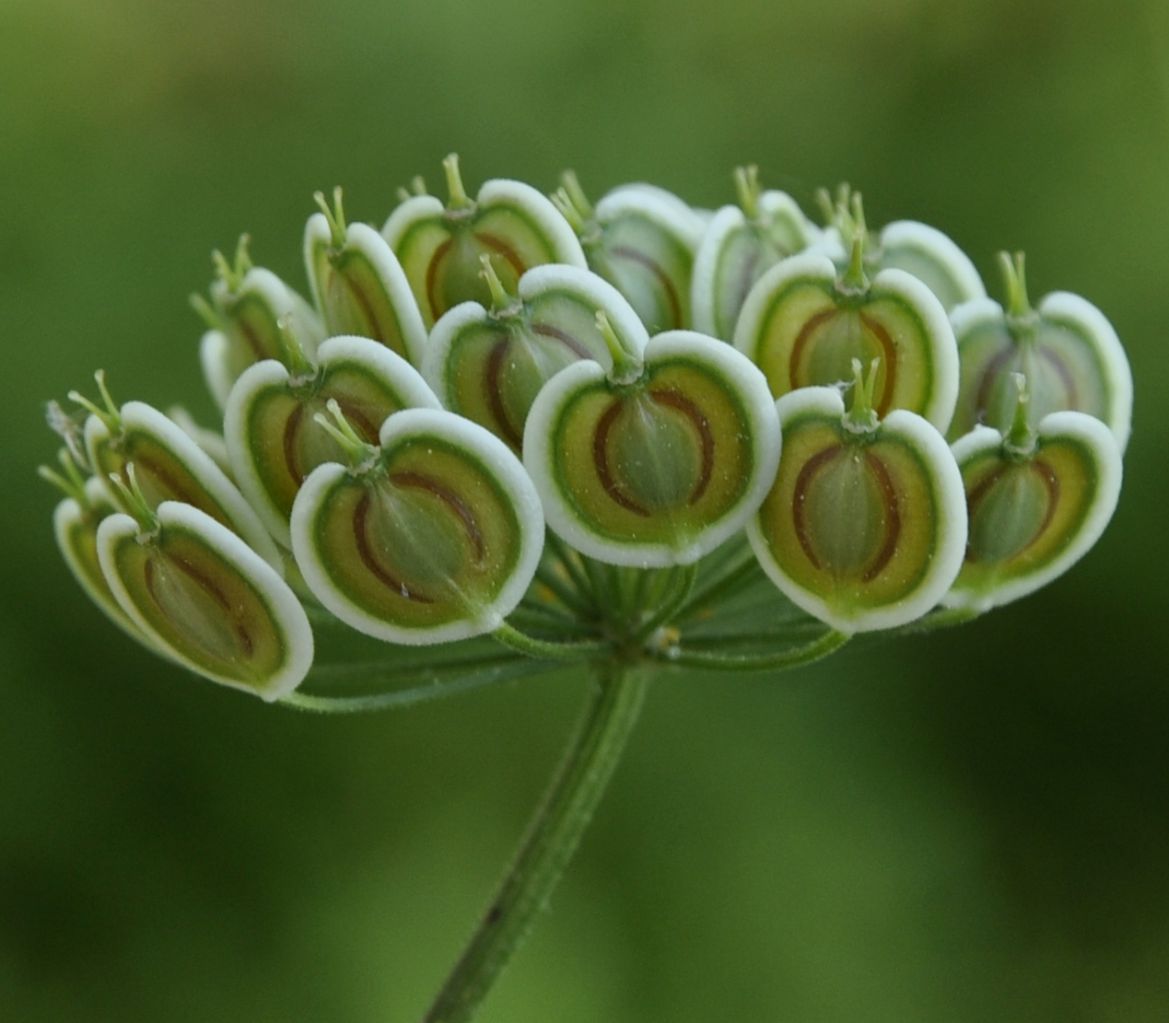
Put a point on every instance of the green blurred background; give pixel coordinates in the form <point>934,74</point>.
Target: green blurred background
<point>969,827</point>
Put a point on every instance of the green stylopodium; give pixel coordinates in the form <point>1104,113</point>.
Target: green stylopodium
<point>514,435</point>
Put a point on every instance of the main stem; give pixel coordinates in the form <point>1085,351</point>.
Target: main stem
<point>552,839</point>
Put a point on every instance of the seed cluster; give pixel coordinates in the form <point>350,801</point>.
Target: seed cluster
<point>515,408</point>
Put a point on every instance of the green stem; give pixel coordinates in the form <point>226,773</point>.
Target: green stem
<point>545,649</point>
<point>568,558</point>
<point>552,839</point>
<point>547,617</point>
<point>563,591</point>
<point>475,679</point>
<point>781,660</point>
<point>939,618</point>
<point>675,598</point>
<point>640,589</point>
<point>415,670</point>
<point>598,583</point>
<point>748,571</point>
<point>779,634</point>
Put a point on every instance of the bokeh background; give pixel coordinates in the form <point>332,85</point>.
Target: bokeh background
<point>968,827</point>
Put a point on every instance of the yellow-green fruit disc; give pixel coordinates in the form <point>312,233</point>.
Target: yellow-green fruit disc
<point>254,317</point>
<point>803,330</point>
<point>646,250</point>
<point>735,252</point>
<point>863,530</point>
<point>361,288</point>
<point>76,528</point>
<point>1069,353</point>
<point>1032,517</point>
<point>659,472</point>
<point>489,366</point>
<point>170,466</point>
<point>933,258</point>
<point>202,595</point>
<point>272,438</point>
<point>440,249</point>
<point>436,541</point>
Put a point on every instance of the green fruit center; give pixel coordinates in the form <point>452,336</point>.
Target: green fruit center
<point>653,449</point>
<point>1009,511</point>
<point>846,513</point>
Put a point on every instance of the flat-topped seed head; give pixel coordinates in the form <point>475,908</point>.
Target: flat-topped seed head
<point>439,247</point>
<point>208,601</point>
<point>272,439</point>
<point>642,241</point>
<point>170,466</point>
<point>358,284</point>
<point>661,470</point>
<point>1033,511</point>
<point>489,365</point>
<point>434,540</point>
<point>1064,346</point>
<point>863,529</point>
<point>740,244</point>
<point>804,326</point>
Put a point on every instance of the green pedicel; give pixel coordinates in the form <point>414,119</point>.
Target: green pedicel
<point>359,285</point>
<point>742,243</point>
<point>1066,348</point>
<point>866,523</point>
<point>642,240</point>
<point>440,246</point>
<point>272,440</point>
<point>432,537</point>
<point>489,365</point>
<point>803,325</point>
<point>658,461</point>
<point>207,599</point>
